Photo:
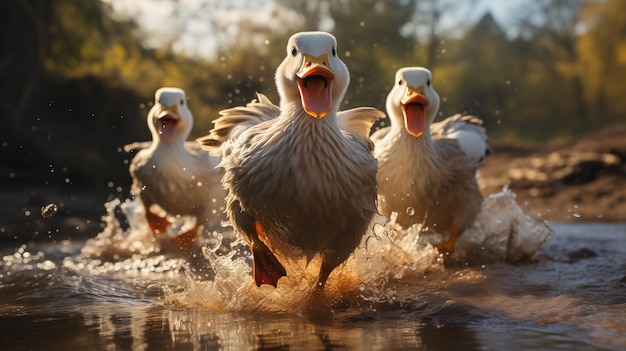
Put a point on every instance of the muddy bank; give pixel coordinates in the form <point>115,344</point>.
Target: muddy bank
<point>582,180</point>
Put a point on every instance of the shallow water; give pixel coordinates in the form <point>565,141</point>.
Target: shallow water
<point>508,286</point>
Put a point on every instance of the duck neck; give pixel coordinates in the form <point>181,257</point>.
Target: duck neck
<point>412,150</point>
<point>295,113</point>
<point>174,146</point>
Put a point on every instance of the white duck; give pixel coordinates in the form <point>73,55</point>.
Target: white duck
<point>301,177</point>
<point>177,176</point>
<point>427,172</point>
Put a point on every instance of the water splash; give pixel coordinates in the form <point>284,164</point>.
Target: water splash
<point>388,259</point>
<point>49,210</point>
<point>503,230</point>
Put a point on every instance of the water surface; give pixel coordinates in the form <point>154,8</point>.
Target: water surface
<point>507,287</point>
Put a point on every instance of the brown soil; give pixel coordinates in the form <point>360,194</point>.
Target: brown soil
<point>583,180</point>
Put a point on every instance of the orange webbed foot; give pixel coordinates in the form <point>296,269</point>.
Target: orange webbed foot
<point>157,224</point>
<point>267,268</point>
<point>186,240</point>
<point>448,246</point>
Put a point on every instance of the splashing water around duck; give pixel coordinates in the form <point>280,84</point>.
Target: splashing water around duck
<point>394,280</point>
<point>387,258</point>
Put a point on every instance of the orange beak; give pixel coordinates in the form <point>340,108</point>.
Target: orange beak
<point>414,104</point>
<point>314,82</point>
<point>166,122</point>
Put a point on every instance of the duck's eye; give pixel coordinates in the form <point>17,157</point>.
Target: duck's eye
<point>294,51</point>
<point>428,82</point>
<point>334,52</point>
<point>182,102</point>
<point>400,82</point>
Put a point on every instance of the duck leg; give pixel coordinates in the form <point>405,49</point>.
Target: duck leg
<point>157,224</point>
<point>448,245</point>
<point>330,261</point>
<point>267,268</point>
<point>186,240</point>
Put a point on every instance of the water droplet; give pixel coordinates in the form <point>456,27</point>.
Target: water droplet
<point>410,211</point>
<point>362,287</point>
<point>154,290</point>
<point>49,210</point>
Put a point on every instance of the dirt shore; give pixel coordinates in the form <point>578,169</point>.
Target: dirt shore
<point>582,180</point>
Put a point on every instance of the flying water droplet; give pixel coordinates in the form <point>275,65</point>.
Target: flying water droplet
<point>155,290</point>
<point>49,210</point>
<point>410,211</point>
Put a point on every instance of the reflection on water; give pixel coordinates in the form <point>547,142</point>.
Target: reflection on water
<point>128,290</point>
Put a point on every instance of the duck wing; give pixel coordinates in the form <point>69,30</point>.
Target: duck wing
<point>234,121</point>
<point>358,122</point>
<point>137,146</point>
<point>380,134</point>
<point>468,133</point>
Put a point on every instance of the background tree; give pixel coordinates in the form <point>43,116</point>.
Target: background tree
<point>602,52</point>
<point>552,27</point>
<point>479,83</point>
<point>78,77</point>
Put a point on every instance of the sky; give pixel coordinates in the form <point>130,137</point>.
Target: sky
<point>198,37</point>
<point>502,10</point>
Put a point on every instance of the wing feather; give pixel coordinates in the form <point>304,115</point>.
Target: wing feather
<point>359,122</point>
<point>468,132</point>
<point>237,119</point>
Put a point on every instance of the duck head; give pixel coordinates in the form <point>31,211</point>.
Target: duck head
<point>413,102</point>
<point>170,118</point>
<point>313,73</point>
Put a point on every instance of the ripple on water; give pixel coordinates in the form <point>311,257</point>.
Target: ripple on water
<point>394,275</point>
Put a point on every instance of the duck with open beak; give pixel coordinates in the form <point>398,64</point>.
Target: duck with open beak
<point>173,177</point>
<point>427,171</point>
<point>301,176</point>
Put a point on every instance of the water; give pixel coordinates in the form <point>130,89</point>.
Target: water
<point>513,283</point>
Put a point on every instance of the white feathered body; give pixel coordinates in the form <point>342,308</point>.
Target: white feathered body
<point>301,177</point>
<point>182,179</point>
<point>178,176</point>
<point>311,186</point>
<point>432,179</point>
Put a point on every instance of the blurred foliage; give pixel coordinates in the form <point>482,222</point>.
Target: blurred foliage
<point>78,78</point>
